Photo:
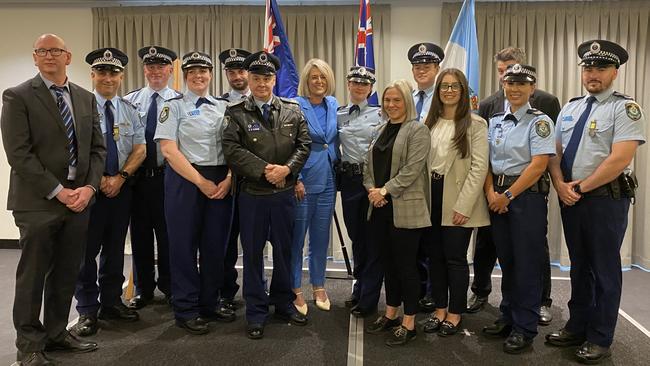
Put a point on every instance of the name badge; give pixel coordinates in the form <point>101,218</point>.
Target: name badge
<point>567,118</point>
<point>254,126</point>
<point>195,112</point>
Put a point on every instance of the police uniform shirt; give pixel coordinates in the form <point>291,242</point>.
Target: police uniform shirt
<point>235,96</point>
<point>614,117</point>
<point>357,130</point>
<point>128,128</point>
<point>197,131</point>
<point>141,99</point>
<point>428,97</point>
<point>513,144</point>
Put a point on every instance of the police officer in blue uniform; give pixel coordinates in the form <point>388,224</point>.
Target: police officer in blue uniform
<point>198,202</point>
<point>233,60</point>
<point>597,137</point>
<point>357,126</point>
<point>109,216</point>
<point>521,141</point>
<point>425,59</point>
<point>147,213</point>
<point>266,142</point>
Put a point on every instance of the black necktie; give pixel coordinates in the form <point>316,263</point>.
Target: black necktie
<point>202,100</point>
<point>266,109</point>
<point>151,161</point>
<point>569,155</point>
<point>354,108</point>
<point>66,115</point>
<point>420,103</point>
<point>112,159</point>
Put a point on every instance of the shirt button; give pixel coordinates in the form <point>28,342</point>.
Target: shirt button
<point>325,146</point>
<point>254,139</point>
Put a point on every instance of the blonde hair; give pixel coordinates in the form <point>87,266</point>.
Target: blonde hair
<point>322,66</point>
<point>404,88</point>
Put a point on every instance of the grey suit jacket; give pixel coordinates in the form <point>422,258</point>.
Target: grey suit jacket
<point>35,141</point>
<point>409,184</point>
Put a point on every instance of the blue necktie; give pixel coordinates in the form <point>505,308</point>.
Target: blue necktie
<point>202,101</point>
<point>354,108</point>
<point>569,155</point>
<point>66,115</point>
<point>420,103</point>
<point>112,160</point>
<point>266,109</point>
<point>151,160</point>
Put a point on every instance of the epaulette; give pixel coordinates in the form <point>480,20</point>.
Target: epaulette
<point>624,96</point>
<point>535,112</point>
<point>341,107</point>
<point>498,114</point>
<point>236,103</point>
<point>177,92</point>
<point>226,95</point>
<point>288,100</point>
<point>128,103</point>
<point>374,105</point>
<point>133,91</point>
<point>576,98</point>
<point>174,98</point>
<point>221,98</point>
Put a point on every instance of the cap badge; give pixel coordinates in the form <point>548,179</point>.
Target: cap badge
<point>195,55</point>
<point>152,50</point>
<point>362,71</point>
<point>595,47</point>
<point>263,57</point>
<point>516,68</point>
<point>422,48</point>
<point>233,52</point>
<point>108,54</point>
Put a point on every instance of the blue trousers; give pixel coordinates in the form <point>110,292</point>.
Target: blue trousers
<point>109,221</point>
<point>594,229</point>
<point>313,213</point>
<point>230,286</point>
<point>368,269</point>
<point>262,217</point>
<point>519,237</point>
<point>196,223</point>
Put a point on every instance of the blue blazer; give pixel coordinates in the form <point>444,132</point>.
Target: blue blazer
<point>321,160</point>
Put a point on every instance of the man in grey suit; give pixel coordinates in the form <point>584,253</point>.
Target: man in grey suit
<point>54,145</point>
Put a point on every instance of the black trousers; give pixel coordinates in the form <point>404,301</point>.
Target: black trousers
<point>147,219</point>
<point>52,246</point>
<point>447,248</point>
<point>230,286</point>
<point>398,250</point>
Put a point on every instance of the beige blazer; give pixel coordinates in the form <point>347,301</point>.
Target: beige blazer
<point>463,187</point>
<point>409,179</point>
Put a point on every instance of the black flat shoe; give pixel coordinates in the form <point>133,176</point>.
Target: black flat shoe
<point>447,328</point>
<point>383,324</point>
<point>564,338</point>
<point>431,325</point>
<point>400,336</point>
<point>118,311</point>
<point>476,303</point>
<point>255,331</point>
<point>516,343</point>
<point>427,305</point>
<point>139,302</point>
<point>220,315</point>
<point>351,302</point>
<point>591,354</point>
<point>498,329</point>
<point>359,312</point>
<point>35,359</point>
<point>70,343</point>
<point>545,316</point>
<point>230,304</point>
<point>294,318</point>
<point>86,326</point>
<point>195,326</point>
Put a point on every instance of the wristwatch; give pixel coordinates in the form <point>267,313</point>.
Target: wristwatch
<point>509,195</point>
<point>383,191</point>
<point>124,174</point>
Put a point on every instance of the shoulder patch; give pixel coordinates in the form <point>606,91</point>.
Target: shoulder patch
<point>535,112</point>
<point>175,98</point>
<point>288,100</point>
<point>576,98</point>
<point>164,114</point>
<point>543,128</point>
<point>633,111</point>
<point>133,91</point>
<point>624,96</point>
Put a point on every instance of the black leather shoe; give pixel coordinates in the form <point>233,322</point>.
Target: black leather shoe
<point>400,336</point>
<point>431,325</point>
<point>564,338</point>
<point>70,343</point>
<point>498,329</point>
<point>592,354</point>
<point>294,318</point>
<point>35,359</point>
<point>139,302</point>
<point>255,331</point>
<point>476,303</point>
<point>222,314</point>
<point>230,304</point>
<point>359,312</point>
<point>86,326</point>
<point>383,324</point>
<point>545,316</point>
<point>447,328</point>
<point>351,302</point>
<point>194,326</point>
<point>118,311</point>
<point>516,343</point>
<point>427,305</point>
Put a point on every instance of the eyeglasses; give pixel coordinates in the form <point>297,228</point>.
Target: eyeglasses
<point>55,52</point>
<point>453,86</point>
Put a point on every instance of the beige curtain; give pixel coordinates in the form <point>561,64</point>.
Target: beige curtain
<point>550,32</point>
<point>326,32</point>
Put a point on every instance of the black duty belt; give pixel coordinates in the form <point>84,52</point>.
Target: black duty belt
<point>502,182</point>
<point>349,169</point>
<point>150,172</point>
<point>436,176</point>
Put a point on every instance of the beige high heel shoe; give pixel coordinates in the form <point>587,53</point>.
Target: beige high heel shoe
<point>301,309</point>
<point>323,305</point>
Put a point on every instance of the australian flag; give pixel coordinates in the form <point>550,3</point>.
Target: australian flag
<point>275,42</point>
<point>365,55</point>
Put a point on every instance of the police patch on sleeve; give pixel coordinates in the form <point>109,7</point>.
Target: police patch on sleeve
<point>164,114</point>
<point>633,111</point>
<point>543,128</point>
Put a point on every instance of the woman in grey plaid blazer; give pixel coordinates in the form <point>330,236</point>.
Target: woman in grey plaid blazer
<point>396,178</point>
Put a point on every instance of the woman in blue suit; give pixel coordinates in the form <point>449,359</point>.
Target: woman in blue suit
<point>315,190</point>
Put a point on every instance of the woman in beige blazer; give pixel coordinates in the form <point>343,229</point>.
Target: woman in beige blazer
<point>458,164</point>
<point>396,178</point>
